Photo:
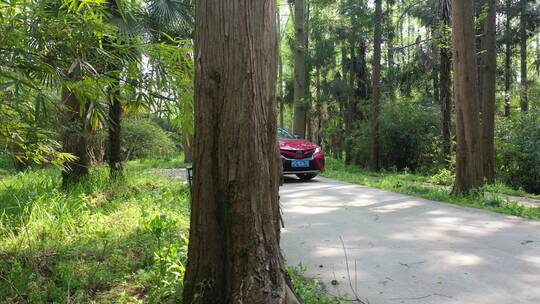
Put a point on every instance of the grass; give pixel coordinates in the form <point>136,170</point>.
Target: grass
<point>490,197</point>
<point>97,242</point>
<point>100,242</point>
<point>311,291</point>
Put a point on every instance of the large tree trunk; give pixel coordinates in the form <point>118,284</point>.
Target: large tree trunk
<point>468,151</point>
<point>524,100</point>
<point>115,132</point>
<point>234,254</point>
<point>508,59</point>
<point>488,74</point>
<point>376,98</point>
<point>300,111</point>
<point>75,139</point>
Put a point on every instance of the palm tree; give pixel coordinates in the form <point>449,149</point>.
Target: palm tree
<point>158,20</point>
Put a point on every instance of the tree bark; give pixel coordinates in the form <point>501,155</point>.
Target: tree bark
<point>376,98</point>
<point>300,108</point>
<point>75,137</point>
<point>488,75</point>
<point>468,150</point>
<point>234,254</point>
<point>524,98</point>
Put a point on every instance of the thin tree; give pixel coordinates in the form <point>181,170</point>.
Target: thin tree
<point>350,110</point>
<point>299,102</point>
<point>281,101</point>
<point>524,98</point>
<point>234,254</point>
<point>115,131</point>
<point>75,137</point>
<point>488,74</point>
<point>376,97</point>
<point>469,173</point>
<point>445,57</point>
<point>508,58</point>
<point>114,116</point>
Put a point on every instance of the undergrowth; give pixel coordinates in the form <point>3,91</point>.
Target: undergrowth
<point>97,242</point>
<point>309,290</point>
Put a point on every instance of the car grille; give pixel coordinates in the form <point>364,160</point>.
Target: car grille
<point>297,154</point>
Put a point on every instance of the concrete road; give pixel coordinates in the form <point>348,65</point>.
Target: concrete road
<point>402,249</point>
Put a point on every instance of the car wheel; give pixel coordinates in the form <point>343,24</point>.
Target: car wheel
<point>306,176</point>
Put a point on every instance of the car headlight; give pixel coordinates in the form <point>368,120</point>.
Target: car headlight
<point>317,150</point>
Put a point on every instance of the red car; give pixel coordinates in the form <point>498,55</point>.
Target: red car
<point>299,156</point>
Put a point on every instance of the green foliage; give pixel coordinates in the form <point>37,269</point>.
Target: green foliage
<point>170,258</point>
<point>518,151</point>
<point>409,134</point>
<point>145,139</point>
<point>443,177</point>
<point>96,242</point>
<point>92,49</point>
<point>310,291</point>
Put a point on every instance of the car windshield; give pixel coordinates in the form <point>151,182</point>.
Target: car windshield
<point>283,134</point>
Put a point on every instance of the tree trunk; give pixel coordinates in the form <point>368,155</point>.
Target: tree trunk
<point>362,78</point>
<point>280,73</point>
<point>538,55</point>
<point>320,107</point>
<point>115,132</point>
<point>445,93</point>
<point>524,99</point>
<point>508,59</point>
<point>488,75</point>
<point>187,143</point>
<point>390,49</point>
<point>75,137</point>
<point>300,112</point>
<point>468,151</point>
<point>436,66</point>
<point>376,98</point>
<point>234,254</point>
<point>309,122</point>
<point>351,108</point>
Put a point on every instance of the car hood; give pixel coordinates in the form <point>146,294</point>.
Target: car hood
<point>296,144</point>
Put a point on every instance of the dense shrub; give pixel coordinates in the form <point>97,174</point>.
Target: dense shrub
<point>409,134</point>
<point>518,151</point>
<point>145,139</point>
